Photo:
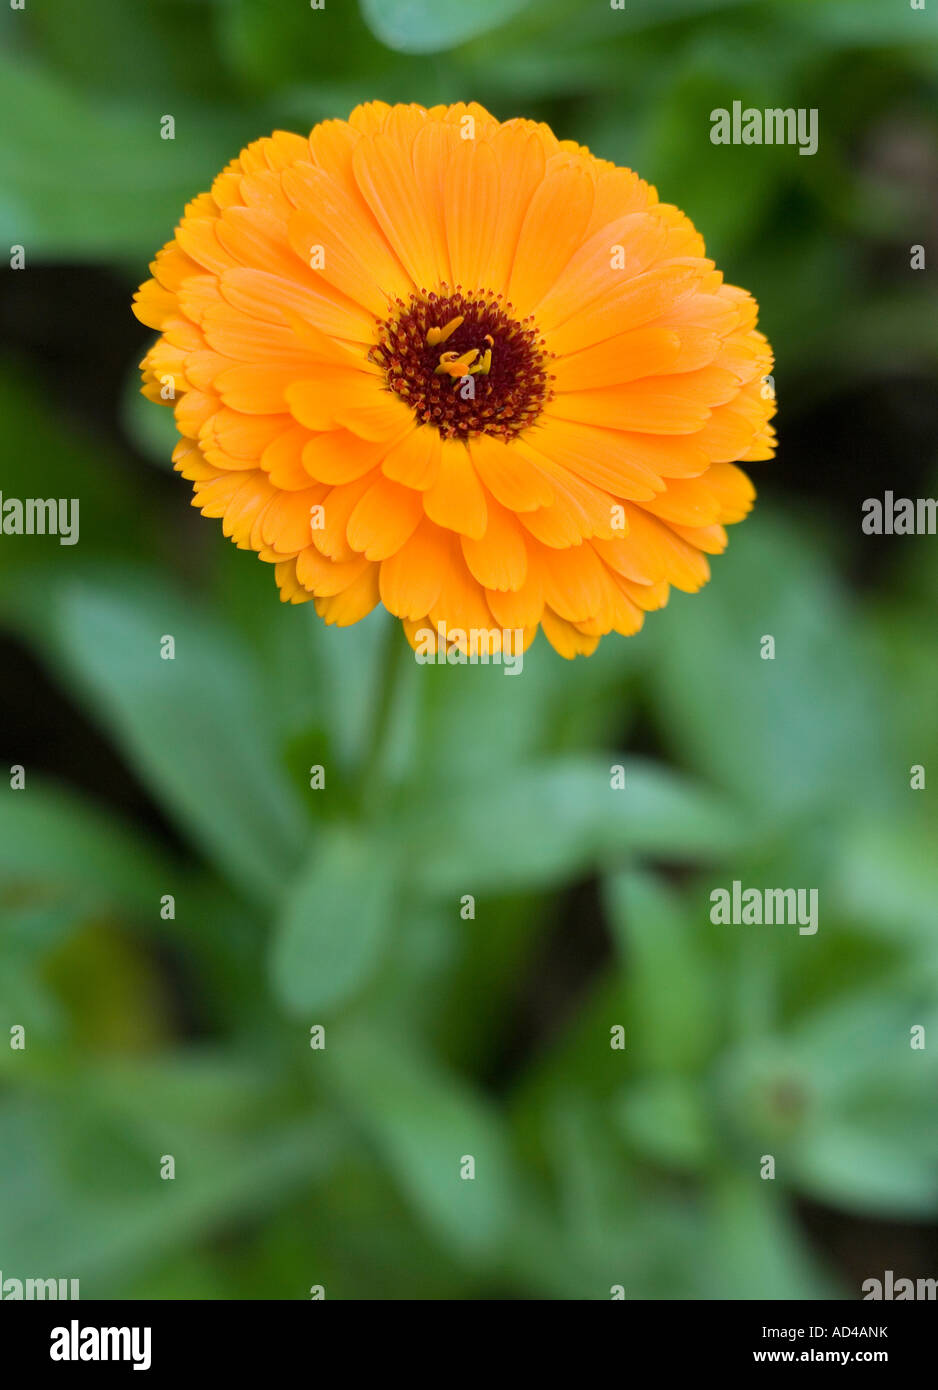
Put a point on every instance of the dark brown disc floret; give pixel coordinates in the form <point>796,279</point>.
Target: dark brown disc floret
<point>464,363</point>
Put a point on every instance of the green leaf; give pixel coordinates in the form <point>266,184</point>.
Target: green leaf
<point>802,730</point>
<point>329,53</point>
<point>753,1247</point>
<point>541,824</point>
<point>193,727</point>
<point>173,36</point>
<point>611,1226</point>
<point>334,922</point>
<point>350,672</point>
<point>59,843</point>
<point>429,26</point>
<point>845,24</point>
<point>82,1194</point>
<point>666,1121</point>
<point>223,1091</point>
<point>673,999</point>
<point>870,1142</point>
<point>72,156</point>
<point>886,875</point>
<point>846,1106</point>
<point>427,1122</point>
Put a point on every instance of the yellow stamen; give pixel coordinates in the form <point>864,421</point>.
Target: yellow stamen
<point>452,365</point>
<point>440,335</point>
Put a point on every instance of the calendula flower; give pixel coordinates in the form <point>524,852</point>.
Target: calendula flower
<point>459,367</point>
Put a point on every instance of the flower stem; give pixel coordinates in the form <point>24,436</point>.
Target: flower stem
<point>373,769</point>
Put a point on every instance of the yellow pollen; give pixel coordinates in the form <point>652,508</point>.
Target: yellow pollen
<point>440,335</point>
<point>456,366</point>
<point>451,364</point>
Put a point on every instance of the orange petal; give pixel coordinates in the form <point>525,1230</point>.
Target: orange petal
<point>282,460</point>
<point>564,637</point>
<point>338,456</point>
<point>732,489</point>
<point>330,233</point>
<point>521,607</point>
<point>327,577</point>
<point>573,581</point>
<point>410,580</point>
<point>384,173</point>
<point>688,501</point>
<point>288,520</point>
<point>461,603</point>
<point>519,151</point>
<point>256,388</point>
<point>456,500</point>
<point>431,152</point>
<point>638,302</point>
<point>510,476</point>
<point>317,400</point>
<point>552,229</point>
<point>626,357</point>
<point>652,551</point>
<point>153,304</point>
<point>598,456</point>
<point>611,257</point>
<point>386,516</point>
<point>353,603</point>
<point>471,197</point>
<point>415,459</point>
<point>291,590</point>
<point>658,405</point>
<point>270,297</point>
<point>330,538</point>
<point>498,560</point>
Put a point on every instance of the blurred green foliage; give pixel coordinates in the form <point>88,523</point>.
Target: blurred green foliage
<point>296,907</point>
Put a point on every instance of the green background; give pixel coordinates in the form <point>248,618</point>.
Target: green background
<point>488,1037</point>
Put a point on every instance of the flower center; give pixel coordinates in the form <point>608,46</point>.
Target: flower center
<point>464,363</point>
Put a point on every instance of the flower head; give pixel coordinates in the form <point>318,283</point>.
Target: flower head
<point>461,368</point>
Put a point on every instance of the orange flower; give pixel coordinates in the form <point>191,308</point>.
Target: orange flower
<point>461,368</point>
